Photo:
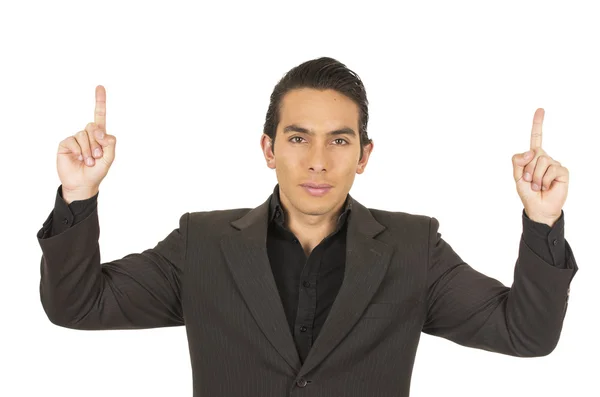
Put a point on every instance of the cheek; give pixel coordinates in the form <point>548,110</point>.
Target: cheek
<point>287,165</point>
<point>349,168</point>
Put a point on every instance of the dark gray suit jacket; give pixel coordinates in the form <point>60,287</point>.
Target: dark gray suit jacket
<point>212,275</point>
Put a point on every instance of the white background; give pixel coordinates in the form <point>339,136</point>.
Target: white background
<point>453,87</point>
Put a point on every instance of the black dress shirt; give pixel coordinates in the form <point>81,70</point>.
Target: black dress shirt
<point>309,285</point>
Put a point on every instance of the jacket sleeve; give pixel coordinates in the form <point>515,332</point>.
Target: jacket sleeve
<point>77,290</point>
<point>474,310</point>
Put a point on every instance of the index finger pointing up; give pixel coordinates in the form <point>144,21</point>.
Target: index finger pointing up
<point>100,111</point>
<point>536,129</point>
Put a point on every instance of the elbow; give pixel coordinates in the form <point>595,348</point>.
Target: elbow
<point>546,350</point>
<point>59,314</point>
<point>540,350</point>
<point>66,321</point>
<point>67,308</point>
<point>58,317</point>
<point>536,353</point>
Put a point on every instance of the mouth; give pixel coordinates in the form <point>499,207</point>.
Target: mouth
<point>315,189</point>
<point>317,185</point>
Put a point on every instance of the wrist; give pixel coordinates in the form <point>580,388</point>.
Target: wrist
<point>548,220</point>
<point>70,195</point>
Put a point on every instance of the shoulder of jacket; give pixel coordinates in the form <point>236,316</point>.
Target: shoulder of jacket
<point>386,217</point>
<point>223,216</point>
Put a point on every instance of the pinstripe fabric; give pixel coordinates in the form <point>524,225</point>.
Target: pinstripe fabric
<point>212,275</point>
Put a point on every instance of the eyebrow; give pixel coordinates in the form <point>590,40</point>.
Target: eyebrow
<point>341,131</point>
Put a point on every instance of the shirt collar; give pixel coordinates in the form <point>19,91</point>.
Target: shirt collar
<point>275,208</point>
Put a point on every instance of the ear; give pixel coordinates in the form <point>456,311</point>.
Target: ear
<point>362,164</point>
<point>267,147</point>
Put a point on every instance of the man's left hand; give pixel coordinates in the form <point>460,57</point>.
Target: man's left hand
<point>542,182</point>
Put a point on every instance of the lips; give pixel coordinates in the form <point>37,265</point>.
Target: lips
<point>316,185</point>
<point>316,189</point>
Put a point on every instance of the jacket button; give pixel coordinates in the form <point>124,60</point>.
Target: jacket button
<point>306,284</point>
<point>555,241</point>
<point>303,329</point>
<point>301,382</point>
<point>65,221</point>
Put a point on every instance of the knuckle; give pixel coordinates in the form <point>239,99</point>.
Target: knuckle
<point>90,126</point>
<point>67,141</point>
<point>92,138</point>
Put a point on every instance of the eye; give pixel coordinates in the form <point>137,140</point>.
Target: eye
<point>343,141</point>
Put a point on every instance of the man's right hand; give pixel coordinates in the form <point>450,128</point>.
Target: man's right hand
<point>83,159</point>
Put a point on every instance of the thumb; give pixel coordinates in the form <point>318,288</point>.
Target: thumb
<point>519,162</point>
<point>108,143</point>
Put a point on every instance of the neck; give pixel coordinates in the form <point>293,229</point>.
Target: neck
<point>306,227</point>
<point>310,230</point>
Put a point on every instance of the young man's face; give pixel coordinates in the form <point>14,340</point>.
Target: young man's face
<point>315,155</point>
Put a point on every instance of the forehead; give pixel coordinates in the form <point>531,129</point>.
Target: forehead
<point>318,109</point>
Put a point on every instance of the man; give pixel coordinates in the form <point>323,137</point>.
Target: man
<point>311,293</point>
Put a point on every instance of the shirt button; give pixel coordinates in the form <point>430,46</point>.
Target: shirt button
<point>295,241</point>
<point>306,284</point>
<point>555,241</point>
<point>301,382</point>
<point>303,329</point>
<point>65,221</point>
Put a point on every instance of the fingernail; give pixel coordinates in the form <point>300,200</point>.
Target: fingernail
<point>89,161</point>
<point>99,134</point>
<point>527,177</point>
<point>527,154</point>
<point>80,158</point>
<point>97,152</point>
<point>535,187</point>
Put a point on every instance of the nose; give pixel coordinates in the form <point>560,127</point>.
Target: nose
<point>317,159</point>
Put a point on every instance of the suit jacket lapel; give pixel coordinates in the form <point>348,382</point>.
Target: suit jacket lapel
<point>246,255</point>
<point>367,260</point>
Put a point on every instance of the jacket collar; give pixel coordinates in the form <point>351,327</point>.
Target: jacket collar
<point>275,208</point>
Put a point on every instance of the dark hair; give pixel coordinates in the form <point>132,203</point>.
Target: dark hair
<point>321,74</point>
